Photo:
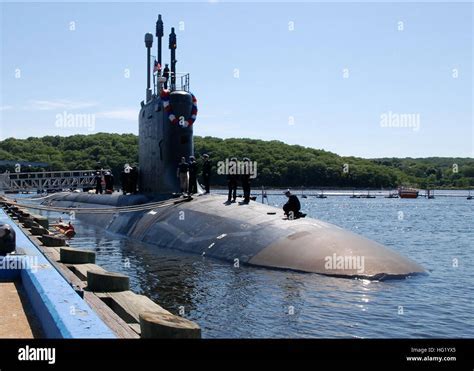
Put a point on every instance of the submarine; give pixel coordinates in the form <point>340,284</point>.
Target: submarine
<point>204,224</point>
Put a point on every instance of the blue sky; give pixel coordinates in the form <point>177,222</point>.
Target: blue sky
<point>316,74</point>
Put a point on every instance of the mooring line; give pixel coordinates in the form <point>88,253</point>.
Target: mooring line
<point>111,210</point>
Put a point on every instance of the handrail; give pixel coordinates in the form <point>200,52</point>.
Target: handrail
<point>51,174</point>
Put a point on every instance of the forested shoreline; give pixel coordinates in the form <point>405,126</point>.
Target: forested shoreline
<point>278,164</point>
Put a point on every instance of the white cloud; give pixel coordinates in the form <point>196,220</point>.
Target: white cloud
<point>58,104</point>
<point>129,114</point>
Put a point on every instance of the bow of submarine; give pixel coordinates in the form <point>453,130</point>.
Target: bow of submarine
<point>255,234</point>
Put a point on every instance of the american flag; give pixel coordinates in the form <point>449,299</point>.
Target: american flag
<point>157,66</point>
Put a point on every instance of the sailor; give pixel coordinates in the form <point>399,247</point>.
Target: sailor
<point>246,180</point>
<point>232,178</point>
<point>109,182</point>
<point>206,172</point>
<point>292,207</point>
<point>133,179</point>
<point>183,174</point>
<point>98,182</point>
<point>125,178</point>
<point>166,75</point>
<point>192,175</point>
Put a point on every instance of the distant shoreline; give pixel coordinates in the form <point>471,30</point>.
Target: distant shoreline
<point>348,189</point>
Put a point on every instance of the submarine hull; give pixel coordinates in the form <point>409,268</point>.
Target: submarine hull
<point>254,234</point>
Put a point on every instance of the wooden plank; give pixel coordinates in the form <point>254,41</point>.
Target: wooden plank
<point>135,328</point>
<point>129,305</point>
<point>110,318</point>
<point>51,253</point>
<point>81,270</point>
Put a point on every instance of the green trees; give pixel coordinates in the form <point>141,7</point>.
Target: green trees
<point>278,164</point>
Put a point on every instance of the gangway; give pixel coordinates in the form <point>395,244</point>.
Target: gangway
<point>47,180</point>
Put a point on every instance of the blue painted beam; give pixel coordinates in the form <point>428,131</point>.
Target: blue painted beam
<point>61,312</point>
<point>10,268</point>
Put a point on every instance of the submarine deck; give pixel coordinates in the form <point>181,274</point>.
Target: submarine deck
<point>255,234</point>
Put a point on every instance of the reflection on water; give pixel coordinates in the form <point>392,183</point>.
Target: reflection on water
<point>256,302</point>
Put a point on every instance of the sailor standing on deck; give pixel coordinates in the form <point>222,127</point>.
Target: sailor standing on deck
<point>125,178</point>
<point>109,182</point>
<point>166,75</point>
<point>232,180</point>
<point>98,182</point>
<point>246,180</point>
<point>183,174</point>
<point>192,175</point>
<point>206,172</point>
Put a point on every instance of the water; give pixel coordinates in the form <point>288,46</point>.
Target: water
<point>250,302</point>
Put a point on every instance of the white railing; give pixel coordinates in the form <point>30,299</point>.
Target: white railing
<point>45,180</point>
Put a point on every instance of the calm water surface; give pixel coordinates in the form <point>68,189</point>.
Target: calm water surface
<point>249,302</point>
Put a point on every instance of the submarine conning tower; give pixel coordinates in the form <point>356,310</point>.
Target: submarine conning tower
<point>165,121</point>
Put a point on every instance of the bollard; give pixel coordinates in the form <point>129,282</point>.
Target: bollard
<point>53,241</point>
<point>107,282</point>
<point>42,221</point>
<point>7,239</point>
<point>24,213</point>
<point>38,231</point>
<point>76,256</point>
<point>22,218</point>
<point>158,325</point>
<point>29,223</point>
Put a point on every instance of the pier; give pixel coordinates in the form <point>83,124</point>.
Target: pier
<point>61,293</point>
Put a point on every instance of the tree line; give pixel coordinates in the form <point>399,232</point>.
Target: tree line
<point>278,164</point>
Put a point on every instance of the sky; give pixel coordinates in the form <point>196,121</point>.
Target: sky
<point>358,79</point>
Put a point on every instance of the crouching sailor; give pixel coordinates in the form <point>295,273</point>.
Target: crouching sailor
<point>292,207</point>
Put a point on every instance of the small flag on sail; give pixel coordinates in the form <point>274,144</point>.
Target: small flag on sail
<point>157,66</point>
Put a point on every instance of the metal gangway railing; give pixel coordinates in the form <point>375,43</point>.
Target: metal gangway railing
<point>181,82</point>
<point>47,180</point>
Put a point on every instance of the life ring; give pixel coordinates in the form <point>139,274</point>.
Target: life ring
<point>165,97</point>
